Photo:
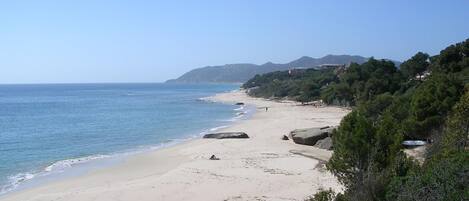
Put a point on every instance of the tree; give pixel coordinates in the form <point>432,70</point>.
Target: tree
<point>431,102</point>
<point>323,195</point>
<point>454,58</point>
<point>374,108</point>
<point>416,65</point>
<point>455,137</point>
<point>364,82</point>
<point>387,143</point>
<point>302,85</point>
<point>308,91</point>
<point>352,143</point>
<point>445,179</point>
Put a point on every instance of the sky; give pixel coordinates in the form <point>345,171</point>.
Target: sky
<point>90,41</point>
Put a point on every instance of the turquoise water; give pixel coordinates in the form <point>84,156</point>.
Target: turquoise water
<point>47,128</point>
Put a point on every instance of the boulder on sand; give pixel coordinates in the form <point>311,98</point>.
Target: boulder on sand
<point>213,157</point>
<point>310,136</point>
<point>325,143</point>
<point>227,135</point>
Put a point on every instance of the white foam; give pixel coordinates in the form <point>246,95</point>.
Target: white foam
<point>57,167</point>
<point>239,108</point>
<point>217,128</point>
<point>14,181</point>
<point>61,165</point>
<point>206,99</point>
<point>240,113</point>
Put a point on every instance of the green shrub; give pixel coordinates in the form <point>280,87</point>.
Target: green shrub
<point>323,195</point>
<point>445,179</point>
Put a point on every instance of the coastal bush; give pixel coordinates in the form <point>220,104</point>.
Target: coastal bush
<point>390,105</point>
<point>431,102</point>
<point>371,165</point>
<point>362,151</point>
<point>327,195</point>
<point>415,66</point>
<point>361,83</point>
<point>323,195</point>
<point>453,59</point>
<point>352,143</point>
<point>455,137</point>
<point>338,94</point>
<point>371,78</point>
<point>374,108</point>
<point>445,179</point>
<point>303,85</point>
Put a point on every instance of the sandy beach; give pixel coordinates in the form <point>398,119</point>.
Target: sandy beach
<point>263,167</point>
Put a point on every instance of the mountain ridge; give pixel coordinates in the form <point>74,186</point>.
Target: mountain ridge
<point>241,72</point>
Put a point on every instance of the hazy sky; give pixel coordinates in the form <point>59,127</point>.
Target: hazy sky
<point>151,41</point>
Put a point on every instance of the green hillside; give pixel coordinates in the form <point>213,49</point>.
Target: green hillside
<point>426,99</point>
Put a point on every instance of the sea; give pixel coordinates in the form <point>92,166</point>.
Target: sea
<point>49,131</point>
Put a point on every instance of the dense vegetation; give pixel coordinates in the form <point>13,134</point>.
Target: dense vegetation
<point>427,98</point>
<point>371,77</point>
<point>303,85</point>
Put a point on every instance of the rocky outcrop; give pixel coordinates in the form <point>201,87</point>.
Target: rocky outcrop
<point>325,143</point>
<point>310,136</point>
<point>226,135</point>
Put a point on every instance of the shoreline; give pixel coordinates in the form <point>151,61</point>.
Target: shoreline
<point>185,168</point>
<point>79,166</point>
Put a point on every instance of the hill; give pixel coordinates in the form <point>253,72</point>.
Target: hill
<point>242,72</point>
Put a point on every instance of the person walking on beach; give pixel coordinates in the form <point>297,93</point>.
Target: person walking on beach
<point>266,108</point>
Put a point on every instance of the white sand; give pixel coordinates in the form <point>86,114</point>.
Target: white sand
<point>263,167</point>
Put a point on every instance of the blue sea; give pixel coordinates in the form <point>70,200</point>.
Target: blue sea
<point>48,129</point>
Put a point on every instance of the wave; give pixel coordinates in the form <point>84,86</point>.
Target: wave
<point>14,181</point>
<point>239,108</point>
<point>57,167</point>
<point>217,128</point>
<point>61,165</point>
<point>207,99</point>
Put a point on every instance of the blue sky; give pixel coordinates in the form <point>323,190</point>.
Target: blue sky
<point>151,41</point>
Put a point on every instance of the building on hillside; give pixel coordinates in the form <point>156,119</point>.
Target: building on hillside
<point>423,75</point>
<point>332,66</point>
<point>338,67</point>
